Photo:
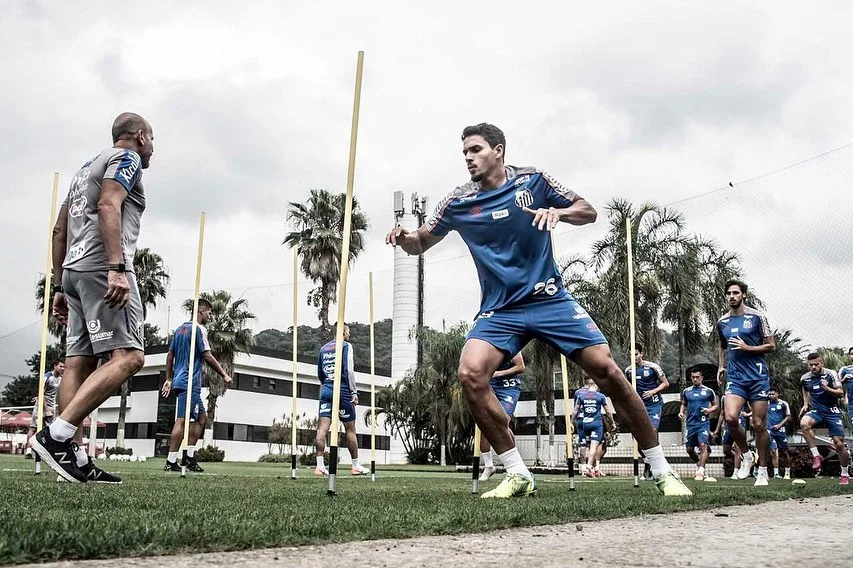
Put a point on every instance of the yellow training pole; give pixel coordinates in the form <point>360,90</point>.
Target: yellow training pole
<point>294,391</point>
<point>45,316</point>
<point>570,451</point>
<point>342,285</point>
<point>372,384</point>
<point>186,441</point>
<point>628,240</point>
<point>475,462</point>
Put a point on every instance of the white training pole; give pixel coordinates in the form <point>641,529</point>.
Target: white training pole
<point>475,462</point>
<point>45,316</point>
<point>372,384</point>
<point>564,370</point>
<point>342,285</point>
<point>185,442</point>
<point>633,334</point>
<point>295,367</point>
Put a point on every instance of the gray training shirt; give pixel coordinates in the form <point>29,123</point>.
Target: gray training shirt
<point>86,252</point>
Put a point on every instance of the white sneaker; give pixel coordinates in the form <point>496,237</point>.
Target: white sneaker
<point>487,474</point>
<point>787,474</point>
<point>700,476</point>
<point>761,480</point>
<point>746,463</point>
<point>359,470</point>
<point>734,475</point>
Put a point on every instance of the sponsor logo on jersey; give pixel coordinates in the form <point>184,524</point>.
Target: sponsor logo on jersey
<point>521,180</point>
<point>502,214</point>
<point>476,210</point>
<point>523,198</point>
<point>76,251</point>
<point>78,206</point>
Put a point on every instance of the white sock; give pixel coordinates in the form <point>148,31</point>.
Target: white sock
<point>62,431</point>
<point>815,453</point>
<point>191,451</point>
<point>762,471</point>
<point>355,463</point>
<point>700,469</point>
<point>82,457</point>
<point>514,464</point>
<point>844,470</point>
<point>320,463</point>
<point>488,461</point>
<point>173,457</point>
<point>656,461</point>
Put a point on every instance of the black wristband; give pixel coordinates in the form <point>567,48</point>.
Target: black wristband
<point>56,288</point>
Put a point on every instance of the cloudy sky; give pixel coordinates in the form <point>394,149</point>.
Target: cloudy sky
<point>251,106</point>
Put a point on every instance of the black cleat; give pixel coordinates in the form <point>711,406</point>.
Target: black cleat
<point>97,475</point>
<point>58,455</point>
<point>192,465</point>
<point>171,466</point>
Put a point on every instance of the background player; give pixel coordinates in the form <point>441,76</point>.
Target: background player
<point>592,406</point>
<point>730,449</point>
<point>95,291</point>
<point>745,337</point>
<point>348,402</point>
<point>778,417</point>
<point>845,374</point>
<point>177,374</point>
<point>698,402</point>
<point>503,214</point>
<point>583,445</point>
<point>51,387</point>
<point>651,382</point>
<point>821,391</point>
<point>506,384</point>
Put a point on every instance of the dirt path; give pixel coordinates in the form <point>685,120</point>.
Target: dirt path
<point>770,532</point>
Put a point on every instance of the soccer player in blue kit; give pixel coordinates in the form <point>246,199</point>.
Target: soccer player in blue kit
<point>821,393</point>
<point>845,375</point>
<point>651,382</point>
<point>745,337</point>
<point>506,384</point>
<point>348,402</point>
<point>591,406</point>
<point>778,416</point>
<point>504,215</point>
<point>698,402</point>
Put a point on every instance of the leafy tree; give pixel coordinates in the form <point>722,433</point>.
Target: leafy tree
<point>54,326</point>
<point>151,335</point>
<point>228,335</point>
<point>318,239</point>
<point>21,390</point>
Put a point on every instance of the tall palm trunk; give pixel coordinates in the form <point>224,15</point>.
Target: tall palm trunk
<point>552,420</point>
<point>680,332</point>
<point>538,434</point>
<point>122,413</point>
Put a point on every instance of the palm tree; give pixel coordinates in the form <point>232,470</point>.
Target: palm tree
<point>228,335</point>
<point>55,327</point>
<point>152,278</point>
<point>440,382</point>
<point>786,364</point>
<point>318,239</point>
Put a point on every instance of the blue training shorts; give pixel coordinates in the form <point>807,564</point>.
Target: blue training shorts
<point>750,391</point>
<point>697,437</point>
<point>779,438</point>
<point>346,411</point>
<point>508,398</point>
<point>559,321</point>
<point>591,432</point>
<point>832,421</point>
<point>655,411</point>
<point>196,405</point>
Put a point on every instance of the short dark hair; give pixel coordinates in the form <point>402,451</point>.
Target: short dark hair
<point>202,303</point>
<point>127,124</point>
<point>774,389</point>
<point>58,361</point>
<point>813,355</point>
<point>739,283</point>
<point>490,133</point>
<point>697,371</point>
<point>849,350</point>
<point>638,347</point>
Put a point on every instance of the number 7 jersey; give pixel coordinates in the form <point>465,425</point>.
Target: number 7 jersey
<point>752,327</point>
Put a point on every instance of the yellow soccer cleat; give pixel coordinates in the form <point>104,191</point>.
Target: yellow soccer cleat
<point>670,485</point>
<point>513,485</point>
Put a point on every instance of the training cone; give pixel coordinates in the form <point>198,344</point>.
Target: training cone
<point>798,482</point>
<point>710,479</point>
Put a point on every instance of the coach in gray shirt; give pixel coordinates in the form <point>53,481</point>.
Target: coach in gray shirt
<point>95,291</point>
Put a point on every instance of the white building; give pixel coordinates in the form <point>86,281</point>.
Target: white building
<point>260,394</point>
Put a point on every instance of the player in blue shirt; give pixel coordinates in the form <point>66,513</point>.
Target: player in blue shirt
<point>177,374</point>
<point>698,402</point>
<point>348,402</point>
<point>651,382</point>
<point>730,449</point>
<point>845,375</point>
<point>504,215</point>
<point>778,416</point>
<point>589,411</point>
<point>821,393</point>
<point>745,337</point>
<point>580,442</point>
<point>506,384</point>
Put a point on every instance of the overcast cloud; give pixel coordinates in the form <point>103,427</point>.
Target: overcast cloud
<point>251,108</point>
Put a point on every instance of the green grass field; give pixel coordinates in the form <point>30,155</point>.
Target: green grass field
<point>241,506</point>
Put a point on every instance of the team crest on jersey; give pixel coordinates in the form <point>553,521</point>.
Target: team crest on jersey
<point>523,198</point>
<point>521,181</point>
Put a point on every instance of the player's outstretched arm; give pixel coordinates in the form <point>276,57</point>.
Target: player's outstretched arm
<point>413,242</point>
<point>580,212</point>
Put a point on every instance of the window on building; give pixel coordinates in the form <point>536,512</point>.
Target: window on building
<point>272,384</point>
<point>241,433</point>
<point>256,382</point>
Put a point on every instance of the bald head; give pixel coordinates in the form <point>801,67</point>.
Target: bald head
<point>127,125</point>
